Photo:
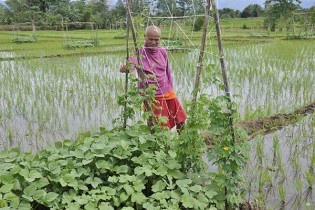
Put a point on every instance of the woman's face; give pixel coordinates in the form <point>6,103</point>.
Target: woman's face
<point>152,39</point>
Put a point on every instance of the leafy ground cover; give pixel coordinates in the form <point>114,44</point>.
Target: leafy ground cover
<point>116,169</point>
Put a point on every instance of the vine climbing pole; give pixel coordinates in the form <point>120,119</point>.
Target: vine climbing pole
<point>141,73</point>
<point>223,69</point>
<point>212,3</point>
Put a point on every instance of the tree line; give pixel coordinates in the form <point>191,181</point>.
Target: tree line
<point>106,16</point>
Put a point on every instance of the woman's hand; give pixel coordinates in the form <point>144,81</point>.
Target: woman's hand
<point>123,68</point>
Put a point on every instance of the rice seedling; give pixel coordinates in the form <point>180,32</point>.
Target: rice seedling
<point>282,195</point>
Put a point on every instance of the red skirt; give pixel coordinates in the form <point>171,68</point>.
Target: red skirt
<point>172,110</point>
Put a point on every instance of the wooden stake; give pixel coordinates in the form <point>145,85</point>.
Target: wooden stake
<point>141,73</point>
<point>127,71</point>
<point>201,53</point>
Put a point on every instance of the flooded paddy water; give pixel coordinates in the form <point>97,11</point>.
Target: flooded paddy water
<point>45,100</point>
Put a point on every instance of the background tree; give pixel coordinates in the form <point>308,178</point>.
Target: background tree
<point>117,13</point>
<point>198,7</point>
<point>138,6</point>
<point>311,12</point>
<point>252,10</point>
<point>183,6</point>
<point>99,9</point>
<point>280,11</point>
<point>228,13</point>
<point>166,7</point>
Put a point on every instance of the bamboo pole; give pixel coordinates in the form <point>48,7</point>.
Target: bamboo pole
<point>141,73</point>
<point>127,71</point>
<point>201,53</point>
<point>223,69</point>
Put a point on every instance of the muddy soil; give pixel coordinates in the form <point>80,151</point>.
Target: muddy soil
<point>270,124</point>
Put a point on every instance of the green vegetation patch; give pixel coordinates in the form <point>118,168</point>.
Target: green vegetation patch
<point>24,39</point>
<point>112,169</point>
<point>81,43</point>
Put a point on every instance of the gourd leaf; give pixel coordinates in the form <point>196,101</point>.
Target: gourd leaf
<point>51,196</point>
<point>6,188</point>
<point>158,186</point>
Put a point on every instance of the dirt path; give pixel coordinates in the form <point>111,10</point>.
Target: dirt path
<point>270,124</point>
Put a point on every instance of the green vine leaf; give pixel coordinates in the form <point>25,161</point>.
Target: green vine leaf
<point>6,188</point>
<point>158,186</point>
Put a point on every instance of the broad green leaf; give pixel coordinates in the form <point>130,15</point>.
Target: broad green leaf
<point>210,194</point>
<point>96,181</point>
<point>184,182</point>
<point>66,143</point>
<point>42,182</point>
<point>110,191</point>
<point>39,194</point>
<point>62,182</point>
<point>24,172</point>
<point>81,200</point>
<point>68,178</point>
<point>129,189</point>
<point>24,205</point>
<point>98,145</point>
<point>158,186</point>
<point>6,166</point>
<point>34,174</point>
<point>172,153</point>
<point>175,195</point>
<point>30,190</point>
<point>142,139</point>
<point>132,178</point>
<point>123,197</point>
<point>103,164</point>
<point>138,186</point>
<point>158,196</point>
<point>184,190</point>
<point>104,197</point>
<point>10,196</point>
<point>82,186</point>
<point>173,164</point>
<point>7,178</point>
<point>74,183</point>
<point>58,145</point>
<point>54,168</point>
<point>112,179</point>
<point>175,174</point>
<point>85,162</point>
<point>127,208</point>
<point>6,188</point>
<point>91,206</point>
<point>139,170</point>
<point>73,206</point>
<point>149,205</point>
<point>202,198</point>
<point>188,201</point>
<point>77,154</point>
<point>138,197</point>
<point>196,188</point>
<point>51,196</point>
<point>122,169</point>
<point>161,170</point>
<point>105,206</point>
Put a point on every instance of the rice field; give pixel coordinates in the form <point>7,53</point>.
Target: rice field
<point>45,98</point>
